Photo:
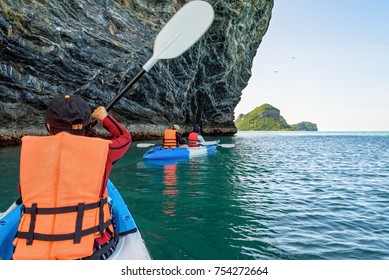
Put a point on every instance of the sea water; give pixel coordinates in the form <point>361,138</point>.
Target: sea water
<point>274,196</point>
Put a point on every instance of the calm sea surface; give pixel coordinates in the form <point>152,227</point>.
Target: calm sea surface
<point>277,195</point>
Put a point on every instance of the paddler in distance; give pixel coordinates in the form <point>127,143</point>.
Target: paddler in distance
<point>172,138</point>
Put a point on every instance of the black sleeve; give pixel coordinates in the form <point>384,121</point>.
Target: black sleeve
<point>180,139</point>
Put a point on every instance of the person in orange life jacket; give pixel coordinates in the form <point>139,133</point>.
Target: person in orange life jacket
<point>172,138</point>
<point>68,118</point>
<point>195,138</point>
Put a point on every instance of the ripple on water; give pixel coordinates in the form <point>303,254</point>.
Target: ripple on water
<point>273,196</point>
<point>324,200</point>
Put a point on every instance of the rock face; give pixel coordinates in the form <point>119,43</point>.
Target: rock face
<point>93,48</point>
<point>268,118</point>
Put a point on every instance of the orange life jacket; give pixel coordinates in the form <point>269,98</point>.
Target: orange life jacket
<point>193,141</point>
<point>61,180</point>
<point>170,138</point>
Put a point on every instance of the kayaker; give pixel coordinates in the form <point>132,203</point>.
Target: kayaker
<point>172,138</point>
<point>195,138</point>
<point>63,181</point>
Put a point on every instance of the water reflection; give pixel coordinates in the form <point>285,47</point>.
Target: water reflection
<point>170,175</point>
<point>171,190</point>
<point>170,183</point>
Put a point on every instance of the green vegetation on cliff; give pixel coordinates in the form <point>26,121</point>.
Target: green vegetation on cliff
<point>268,118</point>
<point>305,126</point>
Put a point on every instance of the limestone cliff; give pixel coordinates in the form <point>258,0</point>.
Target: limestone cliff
<point>93,48</point>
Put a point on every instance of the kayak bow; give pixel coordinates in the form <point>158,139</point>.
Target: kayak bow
<point>131,245</point>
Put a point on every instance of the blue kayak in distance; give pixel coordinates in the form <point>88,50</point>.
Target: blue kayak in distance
<point>159,153</point>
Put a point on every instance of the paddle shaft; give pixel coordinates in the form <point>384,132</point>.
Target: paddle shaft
<point>146,145</point>
<point>125,89</point>
<point>120,95</point>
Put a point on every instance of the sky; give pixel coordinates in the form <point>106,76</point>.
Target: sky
<point>326,62</point>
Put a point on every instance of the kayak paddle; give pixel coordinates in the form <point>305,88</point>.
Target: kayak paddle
<point>226,145</point>
<point>146,145</point>
<point>183,30</point>
<point>212,143</point>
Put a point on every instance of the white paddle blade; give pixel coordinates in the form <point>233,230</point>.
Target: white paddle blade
<point>213,143</point>
<point>183,30</point>
<point>209,143</point>
<point>144,145</point>
<point>227,145</point>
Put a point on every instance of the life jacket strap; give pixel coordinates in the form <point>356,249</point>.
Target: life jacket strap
<point>60,237</point>
<point>101,218</point>
<point>30,233</point>
<point>80,208</point>
<point>79,219</point>
<point>65,209</point>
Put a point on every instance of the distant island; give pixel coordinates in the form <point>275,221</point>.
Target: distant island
<point>268,118</point>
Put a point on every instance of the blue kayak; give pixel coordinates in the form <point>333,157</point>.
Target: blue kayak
<point>159,152</point>
<point>131,245</point>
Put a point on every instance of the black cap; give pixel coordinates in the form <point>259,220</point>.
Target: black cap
<point>64,111</point>
<point>196,128</point>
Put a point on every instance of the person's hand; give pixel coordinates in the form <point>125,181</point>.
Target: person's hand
<point>100,113</point>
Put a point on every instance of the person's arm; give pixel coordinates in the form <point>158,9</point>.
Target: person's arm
<point>120,142</point>
<point>180,139</point>
<point>200,138</point>
<point>121,138</point>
